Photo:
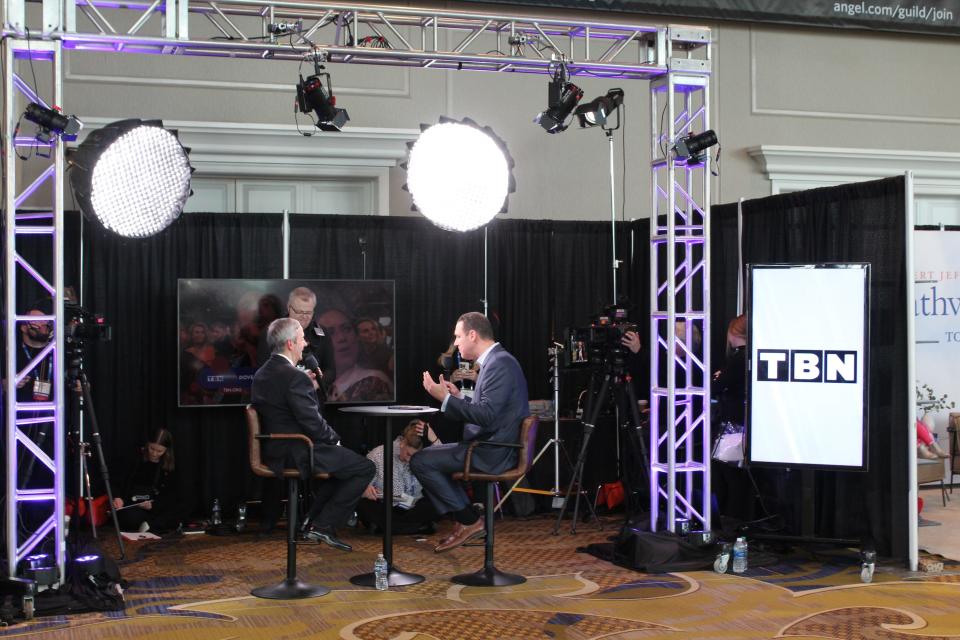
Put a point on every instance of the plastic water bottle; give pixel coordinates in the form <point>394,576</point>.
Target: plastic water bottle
<point>215,515</point>
<point>241,517</point>
<point>740,555</point>
<point>380,571</point>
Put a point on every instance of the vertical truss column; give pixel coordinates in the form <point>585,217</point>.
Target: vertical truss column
<point>679,291</point>
<point>43,231</point>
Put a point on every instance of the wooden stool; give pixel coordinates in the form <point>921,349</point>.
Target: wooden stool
<point>490,576</point>
<point>291,588</point>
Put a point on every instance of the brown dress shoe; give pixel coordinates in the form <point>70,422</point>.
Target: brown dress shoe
<point>457,528</point>
<point>464,534</point>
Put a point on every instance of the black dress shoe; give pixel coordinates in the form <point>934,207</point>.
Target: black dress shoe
<point>327,536</point>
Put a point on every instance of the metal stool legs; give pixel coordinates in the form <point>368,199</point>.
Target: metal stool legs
<point>489,576</point>
<point>291,588</point>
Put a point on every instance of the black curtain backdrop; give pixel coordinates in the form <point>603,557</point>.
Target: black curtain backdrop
<point>862,222</point>
<point>544,276</point>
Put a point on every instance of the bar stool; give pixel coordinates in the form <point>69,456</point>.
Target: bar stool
<point>490,576</point>
<point>291,588</point>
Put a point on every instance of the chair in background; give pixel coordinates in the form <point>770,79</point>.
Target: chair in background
<point>490,576</point>
<point>932,471</point>
<point>291,588</point>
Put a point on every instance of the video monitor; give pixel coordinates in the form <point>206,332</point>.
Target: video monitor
<point>807,367</point>
<point>222,336</point>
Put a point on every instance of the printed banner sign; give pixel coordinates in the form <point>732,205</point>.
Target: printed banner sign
<point>936,307</point>
<point>930,16</point>
<point>808,341</point>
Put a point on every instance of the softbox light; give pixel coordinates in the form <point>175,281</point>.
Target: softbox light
<point>459,174</point>
<point>133,176</point>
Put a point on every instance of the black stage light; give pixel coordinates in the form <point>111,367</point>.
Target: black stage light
<point>596,112</point>
<point>312,96</point>
<point>41,568</point>
<point>562,97</point>
<point>690,148</point>
<point>133,176</point>
<point>52,121</point>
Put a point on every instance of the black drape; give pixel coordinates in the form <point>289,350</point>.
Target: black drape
<point>543,276</point>
<point>133,283</point>
<point>862,222</point>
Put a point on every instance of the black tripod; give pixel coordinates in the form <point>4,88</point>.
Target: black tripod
<point>75,376</point>
<point>616,385</point>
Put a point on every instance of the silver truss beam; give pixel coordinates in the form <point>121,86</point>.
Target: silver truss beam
<point>45,227</point>
<point>680,445</point>
<point>369,34</point>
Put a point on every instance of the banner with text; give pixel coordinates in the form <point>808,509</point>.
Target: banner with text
<point>930,16</point>
<point>806,402</point>
<point>936,307</point>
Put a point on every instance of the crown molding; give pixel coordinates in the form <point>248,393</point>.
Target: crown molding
<point>792,168</point>
<point>244,149</point>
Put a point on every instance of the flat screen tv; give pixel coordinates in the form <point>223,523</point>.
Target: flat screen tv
<point>222,336</point>
<point>808,345</point>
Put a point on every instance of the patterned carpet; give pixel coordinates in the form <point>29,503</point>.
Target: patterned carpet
<point>197,587</point>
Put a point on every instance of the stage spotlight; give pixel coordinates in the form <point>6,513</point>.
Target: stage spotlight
<point>562,97</point>
<point>596,112</point>
<point>41,568</point>
<point>690,148</point>
<point>53,122</point>
<point>133,176</point>
<point>459,174</point>
<point>311,96</point>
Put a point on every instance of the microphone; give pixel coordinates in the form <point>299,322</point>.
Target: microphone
<point>310,363</point>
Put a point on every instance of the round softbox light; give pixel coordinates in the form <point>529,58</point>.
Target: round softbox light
<point>133,176</point>
<point>459,174</point>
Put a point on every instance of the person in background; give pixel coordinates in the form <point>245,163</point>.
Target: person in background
<point>353,382</point>
<point>374,351</point>
<point>411,514</point>
<point>147,500</point>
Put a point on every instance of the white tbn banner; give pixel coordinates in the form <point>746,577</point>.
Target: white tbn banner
<point>808,336</point>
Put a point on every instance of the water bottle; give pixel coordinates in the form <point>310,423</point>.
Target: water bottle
<point>215,516</point>
<point>740,555</point>
<point>380,572</point>
<point>241,517</point>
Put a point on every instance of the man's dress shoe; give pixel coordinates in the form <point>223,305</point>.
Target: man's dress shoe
<point>327,536</point>
<point>461,535</point>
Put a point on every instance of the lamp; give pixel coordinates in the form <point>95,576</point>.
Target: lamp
<point>596,112</point>
<point>133,176</point>
<point>52,121</point>
<point>562,97</point>
<point>690,147</point>
<point>312,96</point>
<point>459,174</point>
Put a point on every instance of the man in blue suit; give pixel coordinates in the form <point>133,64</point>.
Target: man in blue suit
<point>494,414</point>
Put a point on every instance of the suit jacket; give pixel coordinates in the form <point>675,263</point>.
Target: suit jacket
<point>285,399</point>
<point>499,404</point>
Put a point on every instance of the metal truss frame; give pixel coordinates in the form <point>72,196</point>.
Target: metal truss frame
<point>680,445</point>
<point>44,227</point>
<point>675,59</point>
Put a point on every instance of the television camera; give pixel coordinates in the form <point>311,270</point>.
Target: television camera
<point>600,344</point>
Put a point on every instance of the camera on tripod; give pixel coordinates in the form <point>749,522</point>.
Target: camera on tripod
<point>600,344</point>
<point>83,325</point>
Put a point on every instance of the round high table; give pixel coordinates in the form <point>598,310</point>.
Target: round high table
<point>396,577</point>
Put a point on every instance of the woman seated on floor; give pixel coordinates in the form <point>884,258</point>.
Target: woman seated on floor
<point>147,500</point>
<point>411,513</point>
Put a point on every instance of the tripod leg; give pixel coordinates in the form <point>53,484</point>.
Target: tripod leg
<point>637,437</point>
<point>595,404</point>
<point>104,472</point>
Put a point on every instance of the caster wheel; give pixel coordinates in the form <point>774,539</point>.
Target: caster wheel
<point>866,572</point>
<point>720,564</point>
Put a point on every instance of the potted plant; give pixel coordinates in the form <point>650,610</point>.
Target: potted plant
<point>931,403</point>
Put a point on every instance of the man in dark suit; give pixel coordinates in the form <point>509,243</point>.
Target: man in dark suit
<point>494,414</point>
<point>286,399</point>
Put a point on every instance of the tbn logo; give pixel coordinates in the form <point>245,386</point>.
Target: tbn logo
<point>804,365</point>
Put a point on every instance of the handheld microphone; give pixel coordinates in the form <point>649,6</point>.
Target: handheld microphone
<point>310,363</point>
